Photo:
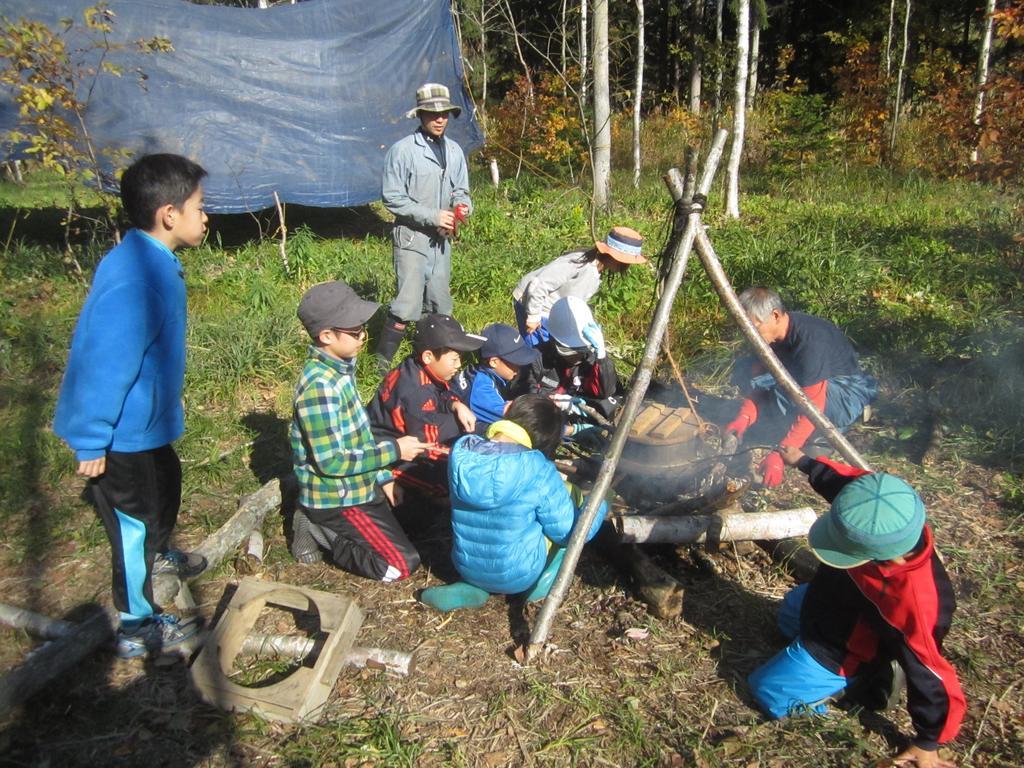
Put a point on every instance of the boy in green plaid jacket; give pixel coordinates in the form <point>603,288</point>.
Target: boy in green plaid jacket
<point>339,465</point>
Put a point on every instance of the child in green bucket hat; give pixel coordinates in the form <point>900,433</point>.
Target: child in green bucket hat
<point>880,602</point>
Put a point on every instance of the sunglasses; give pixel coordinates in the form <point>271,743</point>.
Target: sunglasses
<point>356,333</point>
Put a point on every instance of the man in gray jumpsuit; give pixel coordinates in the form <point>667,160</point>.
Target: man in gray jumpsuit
<point>426,187</point>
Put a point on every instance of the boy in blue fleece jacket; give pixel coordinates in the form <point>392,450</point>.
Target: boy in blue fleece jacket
<point>120,408</point>
<point>490,386</point>
<point>512,513</point>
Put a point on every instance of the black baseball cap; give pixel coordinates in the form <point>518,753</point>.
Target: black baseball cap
<point>334,305</point>
<point>444,332</point>
<point>506,343</point>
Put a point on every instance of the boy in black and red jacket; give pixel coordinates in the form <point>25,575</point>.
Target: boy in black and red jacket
<point>881,595</point>
<point>415,399</point>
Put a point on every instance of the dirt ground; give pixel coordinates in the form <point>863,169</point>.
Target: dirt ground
<point>615,686</point>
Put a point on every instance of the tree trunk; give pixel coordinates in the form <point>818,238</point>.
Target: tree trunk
<point>739,109</point>
<point>584,39</point>
<point>898,101</point>
<point>716,109</point>
<point>638,90</point>
<point>483,63</point>
<point>696,54</point>
<point>565,42</point>
<point>602,108</point>
<point>755,53</point>
<point>888,40</point>
<point>986,50</point>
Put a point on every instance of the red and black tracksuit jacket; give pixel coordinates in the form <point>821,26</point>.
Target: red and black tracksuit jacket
<point>593,379</point>
<point>411,401</point>
<point>881,611</point>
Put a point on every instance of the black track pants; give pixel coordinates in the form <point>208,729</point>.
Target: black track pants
<point>368,540</point>
<point>137,498</point>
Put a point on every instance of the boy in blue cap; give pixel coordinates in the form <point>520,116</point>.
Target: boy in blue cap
<point>880,596</point>
<point>490,386</point>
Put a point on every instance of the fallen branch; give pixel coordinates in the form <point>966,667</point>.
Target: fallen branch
<point>662,594</point>
<point>698,529</point>
<point>53,659</point>
<point>252,510</point>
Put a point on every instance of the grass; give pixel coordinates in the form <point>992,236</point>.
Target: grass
<point>923,275</point>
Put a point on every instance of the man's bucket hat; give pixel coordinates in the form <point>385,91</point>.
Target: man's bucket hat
<point>433,97</point>
<point>875,517</point>
<point>624,245</point>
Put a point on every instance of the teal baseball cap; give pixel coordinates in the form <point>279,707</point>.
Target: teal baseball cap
<point>874,517</point>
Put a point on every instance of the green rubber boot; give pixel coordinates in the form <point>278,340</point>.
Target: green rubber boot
<point>451,597</point>
<point>547,577</point>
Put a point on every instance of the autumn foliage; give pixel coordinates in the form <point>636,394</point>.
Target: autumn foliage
<point>862,107</point>
<point>1001,134</point>
<point>539,126</point>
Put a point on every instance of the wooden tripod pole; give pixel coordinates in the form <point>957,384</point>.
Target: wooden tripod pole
<point>641,380</point>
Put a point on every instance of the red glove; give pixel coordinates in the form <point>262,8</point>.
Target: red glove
<point>738,425</point>
<point>772,470</point>
<point>746,417</point>
<point>461,214</point>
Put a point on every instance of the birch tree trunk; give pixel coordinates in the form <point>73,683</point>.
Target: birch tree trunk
<point>483,62</point>
<point>696,54</point>
<point>638,90</point>
<point>986,50</point>
<point>716,112</point>
<point>898,102</point>
<point>565,41</point>
<point>602,108</point>
<point>755,49</point>
<point>584,39</point>
<point>732,204</point>
<point>888,40</point>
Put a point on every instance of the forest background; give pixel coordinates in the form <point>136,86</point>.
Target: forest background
<point>871,190</point>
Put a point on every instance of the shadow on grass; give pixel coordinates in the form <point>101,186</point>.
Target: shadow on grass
<point>107,712</point>
<point>353,223</point>
<point>45,226</point>
<point>24,487</point>
<point>270,455</point>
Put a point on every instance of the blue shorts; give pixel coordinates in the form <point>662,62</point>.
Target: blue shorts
<point>793,682</point>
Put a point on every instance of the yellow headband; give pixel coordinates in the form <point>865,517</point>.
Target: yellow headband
<point>510,429</point>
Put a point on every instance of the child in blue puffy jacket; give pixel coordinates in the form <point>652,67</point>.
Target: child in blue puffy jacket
<point>512,513</point>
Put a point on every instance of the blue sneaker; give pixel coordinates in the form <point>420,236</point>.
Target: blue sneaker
<point>184,565</point>
<point>161,633</point>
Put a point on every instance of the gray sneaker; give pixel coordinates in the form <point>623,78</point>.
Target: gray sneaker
<point>162,633</point>
<point>305,548</point>
<point>184,565</point>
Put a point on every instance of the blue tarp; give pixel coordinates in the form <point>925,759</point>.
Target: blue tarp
<point>300,99</point>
